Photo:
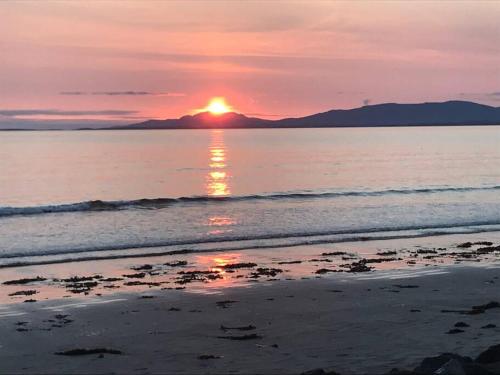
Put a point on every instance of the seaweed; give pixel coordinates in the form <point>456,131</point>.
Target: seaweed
<point>79,351</point>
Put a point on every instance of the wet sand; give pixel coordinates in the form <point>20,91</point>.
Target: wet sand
<point>353,308</point>
<point>368,325</point>
<point>213,272</point>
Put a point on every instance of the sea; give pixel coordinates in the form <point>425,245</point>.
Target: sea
<point>73,195</point>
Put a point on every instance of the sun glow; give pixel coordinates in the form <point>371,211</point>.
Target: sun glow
<point>218,106</point>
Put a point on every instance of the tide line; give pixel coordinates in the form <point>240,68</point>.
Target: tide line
<point>401,274</point>
<point>82,304</point>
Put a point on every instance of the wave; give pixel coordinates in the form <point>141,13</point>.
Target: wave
<point>235,244</point>
<point>96,205</point>
<point>306,237</point>
<point>156,203</point>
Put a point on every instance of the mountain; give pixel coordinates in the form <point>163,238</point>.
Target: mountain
<point>202,121</point>
<point>392,114</point>
<point>389,114</point>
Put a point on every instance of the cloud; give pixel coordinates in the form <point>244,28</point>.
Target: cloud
<point>124,93</point>
<point>493,96</point>
<point>267,63</point>
<point>57,112</point>
<point>73,93</point>
<point>119,93</point>
<point>181,16</point>
<point>38,124</point>
<point>489,97</point>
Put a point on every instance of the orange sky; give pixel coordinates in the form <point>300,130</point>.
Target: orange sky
<point>128,61</point>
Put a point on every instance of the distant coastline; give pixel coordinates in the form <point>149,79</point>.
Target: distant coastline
<point>284,127</point>
<point>450,113</point>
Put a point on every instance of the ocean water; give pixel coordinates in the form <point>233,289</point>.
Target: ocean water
<point>105,194</point>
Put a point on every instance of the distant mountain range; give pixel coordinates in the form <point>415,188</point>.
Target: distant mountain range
<point>389,114</point>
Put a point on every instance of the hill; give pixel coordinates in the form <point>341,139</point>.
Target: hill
<point>389,114</point>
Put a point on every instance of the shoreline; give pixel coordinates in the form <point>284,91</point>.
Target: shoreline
<point>352,308</point>
<point>158,250</point>
<point>357,326</point>
<point>215,271</point>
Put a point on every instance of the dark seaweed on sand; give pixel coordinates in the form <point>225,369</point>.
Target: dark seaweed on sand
<point>23,293</point>
<point>239,265</point>
<point>249,327</point>
<point>24,281</point>
<point>252,336</point>
<point>178,263</point>
<point>77,352</point>
<point>139,275</point>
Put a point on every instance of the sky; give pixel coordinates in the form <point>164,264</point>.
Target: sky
<point>99,63</point>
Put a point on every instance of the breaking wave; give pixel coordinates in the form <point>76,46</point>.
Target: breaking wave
<point>156,203</point>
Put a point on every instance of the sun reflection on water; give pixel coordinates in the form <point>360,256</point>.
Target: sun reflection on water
<point>217,263</point>
<point>217,184</point>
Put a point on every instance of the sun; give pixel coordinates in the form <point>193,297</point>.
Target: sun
<point>218,106</point>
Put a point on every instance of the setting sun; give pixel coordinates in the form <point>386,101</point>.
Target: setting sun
<point>218,106</point>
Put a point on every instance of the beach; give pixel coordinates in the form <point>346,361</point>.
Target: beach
<point>195,258</point>
<point>250,187</point>
<point>287,322</point>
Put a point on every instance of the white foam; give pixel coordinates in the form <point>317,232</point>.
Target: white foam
<point>13,313</point>
<point>82,304</point>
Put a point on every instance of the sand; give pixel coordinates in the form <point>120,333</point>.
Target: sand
<point>351,324</point>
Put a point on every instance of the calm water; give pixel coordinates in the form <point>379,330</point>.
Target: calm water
<point>102,194</point>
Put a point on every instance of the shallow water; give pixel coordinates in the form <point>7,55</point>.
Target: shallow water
<point>106,193</point>
<point>405,258</point>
